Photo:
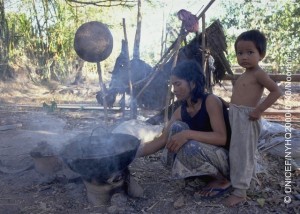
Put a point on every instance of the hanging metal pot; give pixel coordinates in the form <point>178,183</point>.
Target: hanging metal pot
<point>93,41</point>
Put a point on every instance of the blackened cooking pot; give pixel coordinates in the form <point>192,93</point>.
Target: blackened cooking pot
<point>99,157</point>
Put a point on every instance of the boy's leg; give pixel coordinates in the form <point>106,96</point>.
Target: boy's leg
<point>243,145</point>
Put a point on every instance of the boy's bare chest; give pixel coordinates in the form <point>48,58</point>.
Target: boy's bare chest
<point>245,82</point>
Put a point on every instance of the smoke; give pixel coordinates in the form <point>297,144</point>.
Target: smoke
<point>142,130</point>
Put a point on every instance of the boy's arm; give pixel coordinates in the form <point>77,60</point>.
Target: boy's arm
<point>275,92</point>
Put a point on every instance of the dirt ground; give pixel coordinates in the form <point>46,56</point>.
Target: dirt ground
<point>25,190</point>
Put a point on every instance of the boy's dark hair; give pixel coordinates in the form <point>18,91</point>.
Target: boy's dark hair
<point>191,72</point>
<point>255,36</point>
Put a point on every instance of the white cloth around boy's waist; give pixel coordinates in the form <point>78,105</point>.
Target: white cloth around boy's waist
<point>240,107</point>
<point>231,105</point>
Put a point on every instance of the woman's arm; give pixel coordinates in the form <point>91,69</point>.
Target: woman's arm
<point>217,136</point>
<point>158,143</point>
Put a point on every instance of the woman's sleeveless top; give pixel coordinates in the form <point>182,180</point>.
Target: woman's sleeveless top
<point>201,122</point>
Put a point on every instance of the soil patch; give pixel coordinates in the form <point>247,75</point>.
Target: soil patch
<point>25,190</point>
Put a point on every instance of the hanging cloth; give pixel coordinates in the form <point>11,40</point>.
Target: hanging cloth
<point>190,21</point>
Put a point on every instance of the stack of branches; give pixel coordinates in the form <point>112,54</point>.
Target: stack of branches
<point>215,46</point>
<point>216,43</point>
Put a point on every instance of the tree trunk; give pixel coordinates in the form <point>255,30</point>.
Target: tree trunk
<point>78,68</point>
<point>4,43</point>
<point>137,39</point>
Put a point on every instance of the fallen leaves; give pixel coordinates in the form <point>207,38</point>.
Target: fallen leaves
<point>261,201</point>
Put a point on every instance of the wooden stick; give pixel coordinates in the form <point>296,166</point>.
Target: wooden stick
<point>11,126</point>
<point>93,107</point>
<point>177,47</point>
<point>156,71</point>
<point>124,30</point>
<point>103,89</point>
<point>133,112</point>
<point>205,9</point>
<point>162,61</point>
<point>203,44</point>
<point>205,58</point>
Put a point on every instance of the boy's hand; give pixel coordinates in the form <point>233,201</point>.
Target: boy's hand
<point>255,115</point>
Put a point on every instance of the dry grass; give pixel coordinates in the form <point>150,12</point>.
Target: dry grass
<point>161,193</point>
<point>27,92</point>
<point>24,91</point>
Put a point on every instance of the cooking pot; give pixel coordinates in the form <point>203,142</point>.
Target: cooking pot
<point>93,41</point>
<point>100,157</point>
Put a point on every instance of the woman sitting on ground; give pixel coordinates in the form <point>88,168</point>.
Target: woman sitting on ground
<point>195,141</point>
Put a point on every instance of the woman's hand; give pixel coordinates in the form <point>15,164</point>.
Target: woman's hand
<point>177,141</point>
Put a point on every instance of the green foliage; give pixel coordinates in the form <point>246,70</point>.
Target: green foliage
<point>44,35</point>
<point>279,20</point>
<point>43,31</point>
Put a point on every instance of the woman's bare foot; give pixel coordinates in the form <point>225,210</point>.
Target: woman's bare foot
<point>233,200</point>
<point>214,188</point>
<point>219,181</point>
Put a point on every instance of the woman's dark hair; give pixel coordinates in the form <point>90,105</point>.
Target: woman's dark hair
<point>191,72</point>
<point>255,36</point>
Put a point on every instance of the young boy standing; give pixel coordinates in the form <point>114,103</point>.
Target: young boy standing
<point>245,111</point>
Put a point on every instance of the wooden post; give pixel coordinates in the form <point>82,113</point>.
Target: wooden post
<point>205,62</point>
<point>177,47</point>
<point>203,43</point>
<point>133,103</point>
<point>103,89</point>
<point>137,38</point>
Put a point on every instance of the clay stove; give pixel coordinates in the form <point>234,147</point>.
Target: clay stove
<point>102,161</point>
<point>99,193</point>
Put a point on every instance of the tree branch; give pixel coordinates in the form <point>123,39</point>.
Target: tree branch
<point>105,3</point>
